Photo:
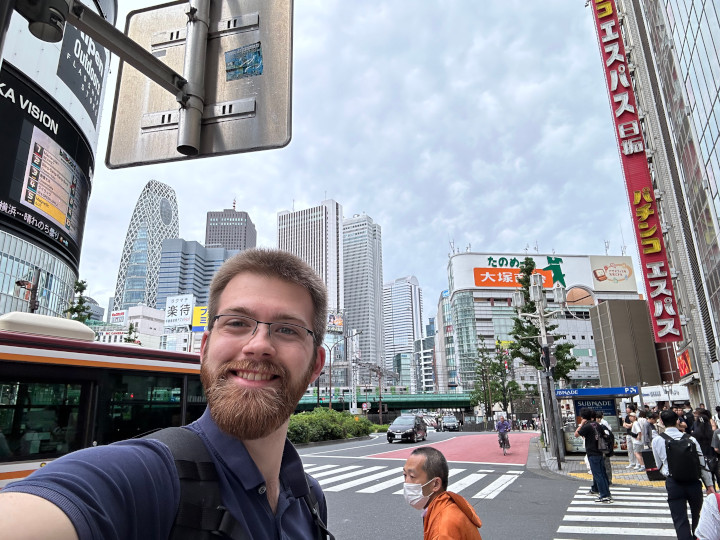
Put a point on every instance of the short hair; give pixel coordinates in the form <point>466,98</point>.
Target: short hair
<point>641,414</point>
<point>435,464</point>
<point>653,416</point>
<point>599,414</point>
<point>587,413</point>
<point>669,418</point>
<point>273,263</point>
<point>632,406</point>
<point>717,408</point>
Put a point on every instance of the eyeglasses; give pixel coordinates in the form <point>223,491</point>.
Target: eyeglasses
<point>242,326</point>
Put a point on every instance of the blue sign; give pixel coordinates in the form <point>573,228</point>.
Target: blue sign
<point>607,406</point>
<point>582,392</point>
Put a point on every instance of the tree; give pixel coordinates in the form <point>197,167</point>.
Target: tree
<point>493,380</point>
<point>132,335</point>
<point>525,333</point>
<point>79,309</point>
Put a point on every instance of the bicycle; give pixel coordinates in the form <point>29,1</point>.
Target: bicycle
<point>504,441</point>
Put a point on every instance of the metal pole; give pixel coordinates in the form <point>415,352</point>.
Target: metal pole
<point>190,118</point>
<point>34,290</point>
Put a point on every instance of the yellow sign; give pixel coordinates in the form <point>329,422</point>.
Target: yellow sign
<point>200,319</point>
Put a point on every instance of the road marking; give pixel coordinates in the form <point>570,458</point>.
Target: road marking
<point>341,469</point>
<point>469,480</point>
<point>630,497</point>
<point>492,490</point>
<point>353,483</point>
<point>318,468</point>
<point>608,531</point>
<point>627,503</point>
<point>349,475</point>
<point>634,519</point>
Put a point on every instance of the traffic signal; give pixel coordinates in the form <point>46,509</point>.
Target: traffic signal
<point>545,358</point>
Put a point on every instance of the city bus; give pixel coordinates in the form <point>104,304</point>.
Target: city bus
<point>61,391</point>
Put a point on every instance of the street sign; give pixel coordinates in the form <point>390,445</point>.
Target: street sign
<point>365,406</point>
<point>612,391</point>
<point>248,80</point>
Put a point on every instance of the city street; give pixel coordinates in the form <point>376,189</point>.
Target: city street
<point>363,486</point>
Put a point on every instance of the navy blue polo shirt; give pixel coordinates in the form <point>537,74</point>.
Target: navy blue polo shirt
<point>130,489</point>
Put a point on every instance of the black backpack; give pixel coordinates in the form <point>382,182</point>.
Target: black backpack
<point>201,515</point>
<point>682,458</point>
<point>604,437</point>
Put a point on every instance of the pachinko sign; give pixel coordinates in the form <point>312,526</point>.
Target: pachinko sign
<point>653,258</point>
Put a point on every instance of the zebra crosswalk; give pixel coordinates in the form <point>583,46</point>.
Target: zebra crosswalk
<point>635,513</point>
<point>382,478</point>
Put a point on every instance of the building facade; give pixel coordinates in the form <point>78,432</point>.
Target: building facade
<point>477,311</point>
<point>316,236</point>
<point>672,53</point>
<point>154,219</point>
<point>186,267</point>
<point>402,316</point>
<point>230,229</point>
<point>363,271</point>
<point>50,117</point>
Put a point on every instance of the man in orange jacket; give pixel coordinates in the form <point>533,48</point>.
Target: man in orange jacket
<point>446,515</point>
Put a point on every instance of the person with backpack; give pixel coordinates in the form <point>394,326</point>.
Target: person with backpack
<point>598,442</point>
<point>263,346</point>
<point>680,459</point>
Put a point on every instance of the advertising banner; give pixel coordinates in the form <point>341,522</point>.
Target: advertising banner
<point>179,310</point>
<point>200,319</point>
<point>648,231</point>
<point>118,317</point>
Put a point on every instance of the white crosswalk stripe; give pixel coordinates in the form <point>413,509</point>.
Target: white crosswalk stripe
<point>379,478</point>
<point>644,513</point>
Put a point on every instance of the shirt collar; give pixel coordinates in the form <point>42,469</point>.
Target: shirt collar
<point>236,459</point>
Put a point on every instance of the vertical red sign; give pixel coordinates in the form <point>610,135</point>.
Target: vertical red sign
<point>646,222</point>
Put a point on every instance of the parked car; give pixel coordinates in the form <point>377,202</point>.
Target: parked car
<point>450,423</point>
<point>407,428</point>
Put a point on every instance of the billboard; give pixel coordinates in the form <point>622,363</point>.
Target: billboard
<point>200,319</point>
<point>631,145</point>
<point>118,317</point>
<point>500,271</point>
<point>46,165</point>
<point>335,321</point>
<point>179,310</point>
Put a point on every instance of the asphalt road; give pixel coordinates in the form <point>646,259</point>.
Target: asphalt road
<point>513,497</point>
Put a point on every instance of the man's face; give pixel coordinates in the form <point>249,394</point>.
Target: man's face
<point>502,418</point>
<point>253,384</point>
<point>415,474</point>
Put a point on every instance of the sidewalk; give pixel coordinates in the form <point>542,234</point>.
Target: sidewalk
<point>575,467</point>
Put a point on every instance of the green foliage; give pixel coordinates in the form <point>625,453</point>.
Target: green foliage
<point>525,333</point>
<point>493,381</point>
<point>324,424</point>
<point>132,335</point>
<point>79,310</point>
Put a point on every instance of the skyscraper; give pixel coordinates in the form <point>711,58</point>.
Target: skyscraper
<point>230,229</point>
<point>315,235</point>
<point>402,316</point>
<point>363,274</point>
<point>672,56</point>
<point>154,219</point>
<point>188,268</point>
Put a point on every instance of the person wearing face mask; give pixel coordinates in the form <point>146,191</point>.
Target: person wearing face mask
<point>446,515</point>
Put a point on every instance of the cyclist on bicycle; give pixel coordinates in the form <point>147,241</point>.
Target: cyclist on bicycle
<point>503,427</point>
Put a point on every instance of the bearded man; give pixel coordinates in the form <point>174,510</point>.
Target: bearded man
<point>263,347</point>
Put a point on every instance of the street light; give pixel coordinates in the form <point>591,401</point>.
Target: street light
<point>330,350</point>
<point>537,295</point>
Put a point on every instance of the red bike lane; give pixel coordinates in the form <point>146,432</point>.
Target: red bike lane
<point>480,448</point>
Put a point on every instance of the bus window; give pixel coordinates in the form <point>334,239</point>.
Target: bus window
<point>132,405</point>
<point>38,419</point>
<point>195,400</point>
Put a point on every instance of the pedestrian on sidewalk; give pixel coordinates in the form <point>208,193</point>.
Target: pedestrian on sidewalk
<point>638,444</point>
<point>629,437</point>
<point>592,432</point>
<point>446,514</point>
<point>606,457</point>
<point>682,490</point>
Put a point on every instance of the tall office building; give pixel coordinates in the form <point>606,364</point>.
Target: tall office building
<point>315,235</point>
<point>672,56</point>
<point>230,229</point>
<point>188,268</point>
<point>402,316</point>
<point>363,271</point>
<point>154,219</point>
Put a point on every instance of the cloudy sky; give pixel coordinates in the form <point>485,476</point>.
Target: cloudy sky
<point>485,124</point>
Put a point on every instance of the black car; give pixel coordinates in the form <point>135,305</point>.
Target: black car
<point>450,423</point>
<point>407,428</point>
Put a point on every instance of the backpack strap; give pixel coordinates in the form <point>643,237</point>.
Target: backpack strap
<point>200,514</point>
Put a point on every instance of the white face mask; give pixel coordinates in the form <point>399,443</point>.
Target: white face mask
<point>414,496</point>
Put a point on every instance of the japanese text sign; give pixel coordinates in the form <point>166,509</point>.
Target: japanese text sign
<point>506,277</point>
<point>646,222</point>
<point>179,310</point>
